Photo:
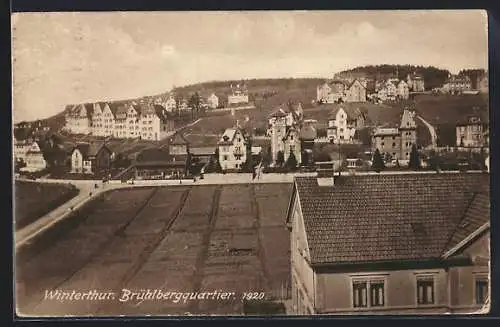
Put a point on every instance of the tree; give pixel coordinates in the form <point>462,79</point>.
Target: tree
<point>378,163</point>
<point>322,156</point>
<point>291,162</point>
<point>434,161</point>
<point>267,157</point>
<point>280,158</point>
<point>321,132</point>
<point>414,158</point>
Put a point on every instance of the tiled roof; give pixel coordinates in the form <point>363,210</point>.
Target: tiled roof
<point>178,139</point>
<point>477,214</point>
<point>308,133</point>
<point>352,113</point>
<point>202,151</point>
<point>387,217</point>
<point>90,149</point>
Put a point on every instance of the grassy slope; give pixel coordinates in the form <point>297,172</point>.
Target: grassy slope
<point>33,200</point>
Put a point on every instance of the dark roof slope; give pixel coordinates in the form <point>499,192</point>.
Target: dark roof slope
<point>385,217</point>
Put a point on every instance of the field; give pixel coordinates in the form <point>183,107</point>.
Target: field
<point>229,238</point>
<point>34,200</point>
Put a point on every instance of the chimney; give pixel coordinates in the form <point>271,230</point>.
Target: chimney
<point>325,173</point>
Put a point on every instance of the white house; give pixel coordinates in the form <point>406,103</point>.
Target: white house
<point>154,122</point>
<point>213,101</point>
<point>35,159</point>
<point>403,90</point>
<point>170,105</point>
<point>342,124</point>
<point>79,119</point>
<point>133,123</point>
<point>232,149</point>
<point>97,120</point>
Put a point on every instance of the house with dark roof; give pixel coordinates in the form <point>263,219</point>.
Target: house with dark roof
<point>168,161</point>
<point>338,90</point>
<point>155,122</point>
<point>90,158</point>
<point>390,243</point>
<point>35,157</point>
<point>232,147</point>
<point>79,119</point>
<point>473,131</point>
<point>395,143</point>
<point>343,122</point>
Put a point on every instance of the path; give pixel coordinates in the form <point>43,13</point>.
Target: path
<point>431,129</point>
<point>25,234</point>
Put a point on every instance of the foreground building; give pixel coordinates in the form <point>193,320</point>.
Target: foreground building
<point>415,82</point>
<point>35,158</point>
<point>390,244</point>
<point>397,142</point>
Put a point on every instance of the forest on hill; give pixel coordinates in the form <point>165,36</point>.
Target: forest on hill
<point>433,77</point>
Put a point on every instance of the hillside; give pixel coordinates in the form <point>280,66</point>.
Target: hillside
<point>433,77</point>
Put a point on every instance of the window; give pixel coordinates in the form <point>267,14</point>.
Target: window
<point>481,291</point>
<point>224,158</point>
<point>382,143</point>
<point>377,293</point>
<point>393,144</point>
<point>363,299</point>
<point>359,295</point>
<point>425,290</point>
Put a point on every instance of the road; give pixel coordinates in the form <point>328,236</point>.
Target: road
<point>26,233</point>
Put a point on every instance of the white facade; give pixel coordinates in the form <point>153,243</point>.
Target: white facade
<point>170,105</point>
<point>78,121</point>
<point>339,130</point>
<point>403,90</point>
<point>232,149</point>
<point>97,121</point>
<point>213,101</point>
<point>108,121</point>
<point>34,159</point>
<point>78,165</point>
<point>132,124</point>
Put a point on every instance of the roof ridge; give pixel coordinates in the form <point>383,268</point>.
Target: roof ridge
<point>464,215</point>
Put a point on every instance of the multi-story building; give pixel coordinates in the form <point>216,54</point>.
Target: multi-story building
<point>120,122</point>
<point>403,90</point>
<point>397,142</point>
<point>367,244</point>
<point>21,148</point>
<point>285,131</point>
<point>213,101</point>
<point>343,123</point>
<point>232,148</point>
<point>415,82</point>
<point>341,91</point>
<point>91,158</point>
<point>79,119</point>
<point>35,158</point>
<point>457,84</point>
<point>133,121</point>
<point>154,122</point>
<point>239,95</point>
<point>474,132</point>
<point>170,105</point>
<point>482,83</point>
<point>97,120</point>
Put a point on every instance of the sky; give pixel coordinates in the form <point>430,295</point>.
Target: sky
<point>69,58</point>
